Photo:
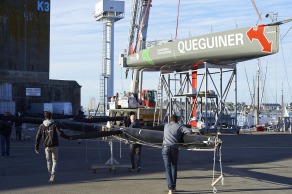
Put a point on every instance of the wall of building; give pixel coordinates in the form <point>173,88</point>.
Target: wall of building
<point>25,35</point>
<point>25,53</point>
<point>50,91</point>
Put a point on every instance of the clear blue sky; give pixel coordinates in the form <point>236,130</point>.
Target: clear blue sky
<point>75,52</point>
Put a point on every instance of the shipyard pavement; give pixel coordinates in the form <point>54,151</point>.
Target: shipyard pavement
<point>251,163</point>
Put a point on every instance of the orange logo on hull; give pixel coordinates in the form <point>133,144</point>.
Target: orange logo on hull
<point>260,36</point>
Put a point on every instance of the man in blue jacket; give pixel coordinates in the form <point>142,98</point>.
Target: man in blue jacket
<point>172,135</point>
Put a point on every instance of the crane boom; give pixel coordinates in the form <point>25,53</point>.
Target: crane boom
<point>132,26</point>
<point>142,102</point>
<point>137,36</point>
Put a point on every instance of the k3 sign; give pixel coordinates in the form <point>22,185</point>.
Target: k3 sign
<point>43,6</point>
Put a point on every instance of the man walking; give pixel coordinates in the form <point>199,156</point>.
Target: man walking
<point>18,127</point>
<point>5,133</point>
<point>173,133</point>
<point>48,132</point>
<point>135,149</point>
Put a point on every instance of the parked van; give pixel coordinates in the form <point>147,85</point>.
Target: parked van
<point>39,108</point>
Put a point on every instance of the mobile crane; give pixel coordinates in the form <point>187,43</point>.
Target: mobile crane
<point>140,101</point>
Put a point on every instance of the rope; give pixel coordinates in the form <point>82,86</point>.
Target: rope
<point>286,33</point>
<point>178,6</point>
<point>286,67</point>
<point>217,150</point>
<point>256,9</point>
<point>83,131</point>
<point>248,84</point>
<point>264,84</point>
<point>140,141</point>
<point>136,140</point>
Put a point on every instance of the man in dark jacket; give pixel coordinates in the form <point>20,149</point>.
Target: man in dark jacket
<point>18,127</point>
<point>48,132</point>
<point>5,132</point>
<point>135,149</point>
<point>79,116</point>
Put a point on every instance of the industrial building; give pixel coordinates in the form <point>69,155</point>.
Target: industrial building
<point>25,58</point>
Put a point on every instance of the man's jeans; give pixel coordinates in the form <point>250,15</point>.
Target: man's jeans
<point>170,158</point>
<point>52,158</point>
<point>18,131</point>
<point>5,145</point>
<point>135,149</point>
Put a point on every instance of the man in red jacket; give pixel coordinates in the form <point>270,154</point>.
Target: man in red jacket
<point>48,132</point>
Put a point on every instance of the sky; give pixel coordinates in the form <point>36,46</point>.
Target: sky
<point>76,41</point>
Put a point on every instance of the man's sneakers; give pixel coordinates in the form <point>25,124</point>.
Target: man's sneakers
<point>171,191</point>
<point>137,170</point>
<point>52,179</point>
<point>7,156</point>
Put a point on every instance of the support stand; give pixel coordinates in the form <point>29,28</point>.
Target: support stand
<point>112,164</point>
<point>112,160</point>
<point>221,177</point>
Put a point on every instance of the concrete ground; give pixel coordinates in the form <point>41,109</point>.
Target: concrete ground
<point>252,163</point>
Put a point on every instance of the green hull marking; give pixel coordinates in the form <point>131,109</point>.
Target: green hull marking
<point>145,56</point>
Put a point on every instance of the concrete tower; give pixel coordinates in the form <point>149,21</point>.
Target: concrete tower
<point>108,12</point>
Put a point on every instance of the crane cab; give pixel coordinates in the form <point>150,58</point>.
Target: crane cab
<point>148,98</point>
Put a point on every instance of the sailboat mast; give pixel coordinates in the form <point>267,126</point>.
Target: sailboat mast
<point>258,95</point>
<point>282,104</point>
